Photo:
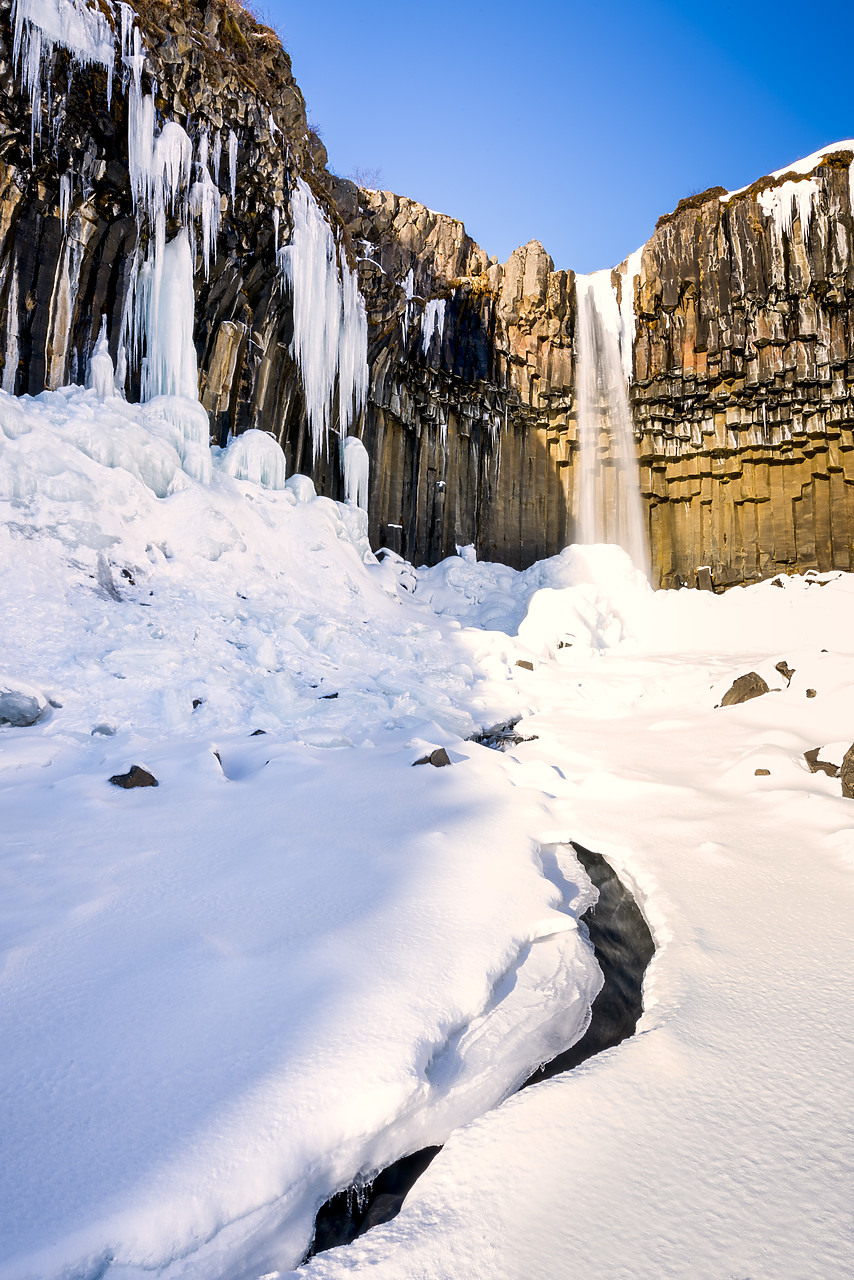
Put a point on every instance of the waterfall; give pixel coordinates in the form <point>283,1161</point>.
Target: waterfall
<point>608,499</point>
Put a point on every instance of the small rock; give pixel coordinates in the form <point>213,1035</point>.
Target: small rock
<point>326,697</point>
<point>846,773</point>
<point>820,766</point>
<point>257,732</point>
<point>762,773</point>
<point>785,671</point>
<point>777,582</point>
<point>439,758</point>
<point>136,776</point>
<point>525,664</point>
<point>197,702</point>
<point>811,693</point>
<point>704,578</point>
<point>743,689</point>
<point>104,730</point>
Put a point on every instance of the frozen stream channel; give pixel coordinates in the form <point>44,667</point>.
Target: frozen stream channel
<point>624,947</point>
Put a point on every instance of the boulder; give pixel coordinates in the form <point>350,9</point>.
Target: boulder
<point>136,776</point>
<point>820,766</point>
<point>743,689</point>
<point>438,758</point>
<point>846,773</point>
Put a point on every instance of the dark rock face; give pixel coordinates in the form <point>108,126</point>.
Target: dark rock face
<point>743,689</point>
<point>743,347</point>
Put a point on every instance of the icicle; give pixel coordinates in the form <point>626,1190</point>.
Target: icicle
<point>276,217</point>
<point>409,294</point>
<point>10,367</point>
<point>433,319</point>
<point>64,200</point>
<point>163,318</point>
<point>40,27</point>
<point>352,352</point>
<point>627,313</point>
<point>330,324</point>
<point>232,164</point>
<point>356,464</point>
<point>781,203</point>
<point>101,372</point>
<point>204,204</point>
<point>216,155</point>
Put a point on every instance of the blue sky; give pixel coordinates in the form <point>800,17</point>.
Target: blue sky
<point>574,124</point>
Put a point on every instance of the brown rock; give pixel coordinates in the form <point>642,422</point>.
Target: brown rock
<point>136,776</point>
<point>762,773</point>
<point>811,693</point>
<point>743,689</point>
<point>785,671</point>
<point>524,664</point>
<point>820,766</point>
<point>846,773</point>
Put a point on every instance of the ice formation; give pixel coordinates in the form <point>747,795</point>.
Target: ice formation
<point>608,499</point>
<point>356,463</point>
<point>232,164</point>
<point>10,366</point>
<point>432,321</point>
<point>101,372</point>
<point>627,313</point>
<point>330,324</point>
<point>255,456</point>
<point>64,200</point>
<point>784,203</point>
<point>41,26</point>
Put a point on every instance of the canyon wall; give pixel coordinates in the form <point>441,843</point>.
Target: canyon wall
<point>740,338</point>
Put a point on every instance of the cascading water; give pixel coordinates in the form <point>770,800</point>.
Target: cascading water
<point>608,499</point>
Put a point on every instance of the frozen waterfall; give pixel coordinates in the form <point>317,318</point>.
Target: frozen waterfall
<point>608,500</point>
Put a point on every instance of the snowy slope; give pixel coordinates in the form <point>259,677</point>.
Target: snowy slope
<point>297,958</point>
<point>718,1142</point>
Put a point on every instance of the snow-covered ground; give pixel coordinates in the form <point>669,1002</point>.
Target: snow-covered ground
<point>300,956</point>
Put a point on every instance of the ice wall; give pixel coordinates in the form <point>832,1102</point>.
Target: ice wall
<point>608,498</point>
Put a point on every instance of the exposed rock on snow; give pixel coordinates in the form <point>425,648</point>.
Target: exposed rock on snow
<point>818,765</point>
<point>743,689</point>
<point>847,773</point>
<point>439,758</point>
<point>136,776</point>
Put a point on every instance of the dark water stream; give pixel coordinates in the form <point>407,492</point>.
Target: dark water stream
<point>624,947</point>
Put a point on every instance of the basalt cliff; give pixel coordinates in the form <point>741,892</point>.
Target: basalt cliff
<point>737,328</point>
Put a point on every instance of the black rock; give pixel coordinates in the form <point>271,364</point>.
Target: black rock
<point>439,758</point>
<point>136,776</point>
